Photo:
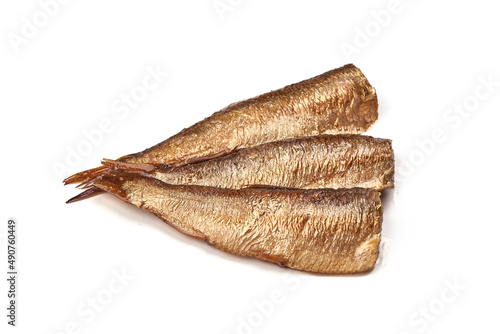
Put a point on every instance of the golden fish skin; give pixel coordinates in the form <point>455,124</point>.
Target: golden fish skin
<point>322,230</point>
<point>326,161</point>
<point>338,101</point>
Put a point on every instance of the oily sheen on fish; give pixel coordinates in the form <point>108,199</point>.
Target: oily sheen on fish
<point>338,101</point>
<point>322,230</point>
<point>326,161</point>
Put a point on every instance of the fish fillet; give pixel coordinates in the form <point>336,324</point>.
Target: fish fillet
<point>327,161</point>
<point>323,231</point>
<point>338,101</point>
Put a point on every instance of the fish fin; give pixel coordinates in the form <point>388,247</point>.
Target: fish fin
<point>129,167</point>
<point>87,178</point>
<point>85,194</point>
<point>88,183</point>
<point>86,175</point>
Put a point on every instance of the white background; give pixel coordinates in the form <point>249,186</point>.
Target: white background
<point>427,59</point>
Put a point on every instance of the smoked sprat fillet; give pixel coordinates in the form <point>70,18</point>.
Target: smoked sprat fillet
<point>327,161</point>
<point>335,102</point>
<point>322,230</point>
<point>284,177</point>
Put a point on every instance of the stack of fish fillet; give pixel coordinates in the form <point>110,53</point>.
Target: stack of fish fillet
<point>285,177</point>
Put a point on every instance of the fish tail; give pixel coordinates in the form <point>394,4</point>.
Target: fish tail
<point>113,182</point>
<point>88,178</point>
<point>85,194</point>
<point>86,175</point>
